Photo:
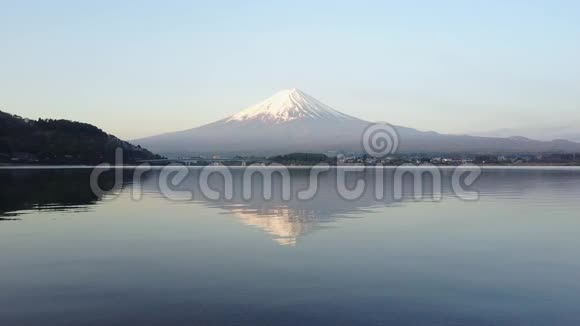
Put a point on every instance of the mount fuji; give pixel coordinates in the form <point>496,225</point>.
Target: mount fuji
<point>289,105</point>
<point>293,121</point>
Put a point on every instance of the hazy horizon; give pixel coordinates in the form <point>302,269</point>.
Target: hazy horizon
<point>138,69</point>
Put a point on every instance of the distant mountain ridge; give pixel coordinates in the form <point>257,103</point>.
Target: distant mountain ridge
<point>61,141</point>
<point>293,121</point>
<point>569,132</point>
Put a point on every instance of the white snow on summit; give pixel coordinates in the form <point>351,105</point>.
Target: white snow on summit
<point>288,105</point>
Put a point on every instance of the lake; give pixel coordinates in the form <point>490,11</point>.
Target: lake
<point>143,253</point>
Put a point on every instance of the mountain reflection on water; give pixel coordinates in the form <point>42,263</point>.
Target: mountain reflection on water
<point>68,190</point>
<point>76,258</point>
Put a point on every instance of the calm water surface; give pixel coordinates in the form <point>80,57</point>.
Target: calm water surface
<point>69,257</point>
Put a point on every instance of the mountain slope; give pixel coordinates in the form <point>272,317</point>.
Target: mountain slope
<point>292,121</point>
<point>61,141</point>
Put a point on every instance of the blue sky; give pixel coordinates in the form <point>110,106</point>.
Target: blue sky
<point>137,68</point>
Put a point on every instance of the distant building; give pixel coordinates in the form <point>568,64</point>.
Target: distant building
<point>23,157</point>
<point>436,160</point>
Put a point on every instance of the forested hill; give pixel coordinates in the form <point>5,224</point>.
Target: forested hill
<point>61,142</point>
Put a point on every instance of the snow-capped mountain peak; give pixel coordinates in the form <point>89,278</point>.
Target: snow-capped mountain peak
<point>288,105</point>
<point>292,121</point>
